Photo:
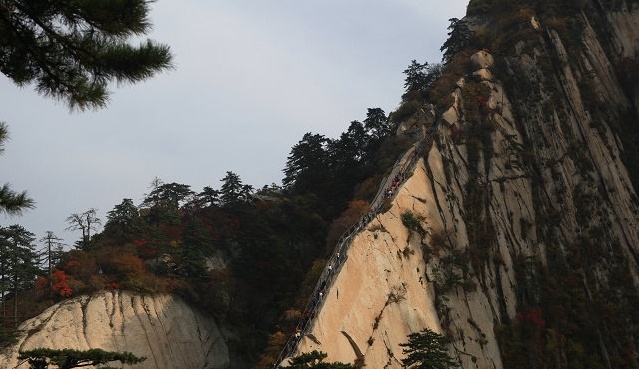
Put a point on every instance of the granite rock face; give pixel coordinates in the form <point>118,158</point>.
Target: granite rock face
<point>551,186</point>
<point>162,328</point>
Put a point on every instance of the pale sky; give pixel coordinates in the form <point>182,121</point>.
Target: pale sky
<point>251,78</point>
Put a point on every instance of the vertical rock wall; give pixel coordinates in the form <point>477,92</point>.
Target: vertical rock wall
<point>548,184</point>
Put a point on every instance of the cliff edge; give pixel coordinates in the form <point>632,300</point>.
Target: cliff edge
<point>162,328</point>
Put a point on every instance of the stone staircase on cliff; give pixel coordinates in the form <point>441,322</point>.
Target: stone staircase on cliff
<point>405,164</point>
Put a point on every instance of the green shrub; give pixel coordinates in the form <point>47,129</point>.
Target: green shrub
<point>409,220</point>
<point>405,111</point>
<point>476,7</point>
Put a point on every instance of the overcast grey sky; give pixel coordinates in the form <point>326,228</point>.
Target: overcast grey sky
<point>252,77</point>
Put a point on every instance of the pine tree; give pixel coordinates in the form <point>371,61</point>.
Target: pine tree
<point>315,359</point>
<point>307,167</point>
<point>427,350</point>
<point>123,222</point>
<point>18,263</point>
<point>377,124</point>
<point>232,191</point>
<point>459,37</point>
<point>41,358</point>
<point>420,77</point>
<point>196,247</point>
<point>72,50</point>
<point>164,201</point>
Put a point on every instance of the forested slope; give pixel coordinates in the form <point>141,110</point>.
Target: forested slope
<point>515,235</point>
<point>525,250</point>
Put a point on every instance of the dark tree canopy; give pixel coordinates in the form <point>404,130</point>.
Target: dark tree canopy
<point>72,50</point>
<point>233,191</point>
<point>41,358</point>
<point>123,221</point>
<point>307,165</point>
<point>315,359</point>
<point>427,350</point>
<point>459,37</point>
<point>420,77</point>
<point>377,123</point>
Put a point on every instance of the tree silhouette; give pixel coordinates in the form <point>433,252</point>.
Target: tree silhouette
<point>18,263</point>
<point>307,165</point>
<point>315,359</point>
<point>86,222</point>
<point>72,50</point>
<point>123,222</point>
<point>377,124</point>
<point>41,358</point>
<point>459,38</point>
<point>163,203</point>
<point>420,77</point>
<point>53,248</point>
<point>233,192</point>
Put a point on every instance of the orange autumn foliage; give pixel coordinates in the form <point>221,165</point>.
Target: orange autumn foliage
<point>129,265</point>
<point>61,286</point>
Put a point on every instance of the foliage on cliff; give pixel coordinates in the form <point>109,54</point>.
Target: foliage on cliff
<point>575,304</point>
<point>68,359</point>
<point>239,253</point>
<point>576,299</point>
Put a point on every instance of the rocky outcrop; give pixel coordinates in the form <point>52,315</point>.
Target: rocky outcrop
<point>162,328</point>
<point>528,218</point>
<point>386,290</point>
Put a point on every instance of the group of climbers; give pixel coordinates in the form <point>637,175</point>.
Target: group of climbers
<point>319,293</point>
<point>396,181</point>
<point>310,314</point>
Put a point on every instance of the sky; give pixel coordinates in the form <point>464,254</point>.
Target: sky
<point>251,78</point>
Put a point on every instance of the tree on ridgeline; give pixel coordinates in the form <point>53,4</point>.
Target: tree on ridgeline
<point>233,192</point>
<point>421,77</point>
<point>209,197</point>
<point>123,222</point>
<point>459,38</point>
<point>346,157</point>
<point>163,203</point>
<point>377,125</point>
<point>71,51</point>
<point>52,252</point>
<point>86,222</point>
<point>170,195</point>
<point>307,168</point>
<point>206,199</point>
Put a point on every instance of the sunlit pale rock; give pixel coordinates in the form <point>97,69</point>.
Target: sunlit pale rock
<point>162,328</point>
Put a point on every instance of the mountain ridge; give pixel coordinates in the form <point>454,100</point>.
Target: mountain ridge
<point>524,191</point>
<point>525,251</point>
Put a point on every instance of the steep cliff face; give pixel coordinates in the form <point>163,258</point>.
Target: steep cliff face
<point>162,328</point>
<point>385,289</point>
<point>527,252</point>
